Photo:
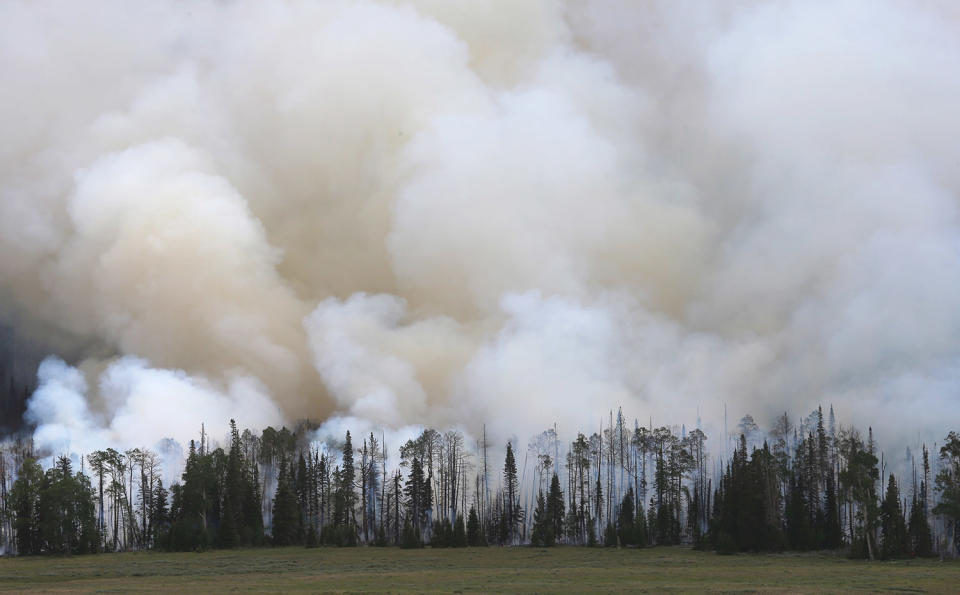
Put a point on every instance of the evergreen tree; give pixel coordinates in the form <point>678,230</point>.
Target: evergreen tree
<point>410,538</point>
<point>227,535</point>
<point>892,525</point>
<point>438,536</point>
<point>231,514</point>
<point>55,511</point>
<point>512,516</point>
<point>416,505</point>
<point>160,514</point>
<point>799,532</point>
<point>459,533</point>
<point>948,485</point>
<point>626,524</point>
<point>194,499</point>
<point>88,538</point>
<point>921,539</point>
<point>833,536</point>
<point>542,535</point>
<point>345,493</point>
<point>286,515</point>
<point>610,535</point>
<point>474,536</point>
<point>555,507</point>
<point>747,507</point>
<point>860,477</point>
<point>25,498</point>
<point>252,531</point>
<point>302,484</point>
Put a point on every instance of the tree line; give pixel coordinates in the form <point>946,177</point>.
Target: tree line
<point>807,486</point>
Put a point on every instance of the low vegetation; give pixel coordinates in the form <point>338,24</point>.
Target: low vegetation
<point>514,569</point>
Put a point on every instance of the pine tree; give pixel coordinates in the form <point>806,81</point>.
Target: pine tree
<point>610,535</point>
<point>542,535</point>
<point>921,541</point>
<point>414,489</point>
<point>860,477</point>
<point>285,509</point>
<point>625,522</point>
<point>459,533</point>
<point>301,485</point>
<point>833,537</point>
<point>410,537</point>
<point>746,516</point>
<point>474,536</point>
<point>511,513</point>
<point>948,485</point>
<point>252,507</point>
<point>892,526</point>
<point>231,516</point>
<point>161,519</point>
<point>799,533</point>
<point>25,498</point>
<point>555,507</point>
<point>347,480</point>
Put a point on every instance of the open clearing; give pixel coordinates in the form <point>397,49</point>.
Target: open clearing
<point>565,569</point>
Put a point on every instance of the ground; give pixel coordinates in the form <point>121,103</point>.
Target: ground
<point>562,569</point>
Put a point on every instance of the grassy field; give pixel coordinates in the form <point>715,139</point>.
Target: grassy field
<point>484,570</point>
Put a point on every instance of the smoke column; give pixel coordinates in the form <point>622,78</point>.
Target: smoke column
<point>516,212</point>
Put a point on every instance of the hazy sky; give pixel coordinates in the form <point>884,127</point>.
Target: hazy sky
<point>516,212</point>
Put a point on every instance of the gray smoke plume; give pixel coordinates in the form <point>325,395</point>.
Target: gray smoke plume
<point>504,211</point>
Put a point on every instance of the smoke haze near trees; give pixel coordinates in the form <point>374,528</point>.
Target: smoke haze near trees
<point>447,214</point>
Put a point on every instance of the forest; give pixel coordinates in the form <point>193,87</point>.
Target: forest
<point>811,485</point>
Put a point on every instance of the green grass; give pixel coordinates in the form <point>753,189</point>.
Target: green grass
<point>564,569</point>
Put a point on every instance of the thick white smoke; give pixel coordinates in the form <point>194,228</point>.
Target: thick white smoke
<point>141,406</point>
<point>504,212</point>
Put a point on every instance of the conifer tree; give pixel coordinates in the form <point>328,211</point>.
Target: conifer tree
<point>625,522</point>
<point>346,491</point>
<point>948,485</point>
<point>286,514</point>
<point>542,535</point>
<point>892,526</point>
<point>474,536</point>
<point>921,539</point>
<point>511,487</point>
<point>860,477</point>
<point>555,507</point>
<point>414,490</point>
<point>160,516</point>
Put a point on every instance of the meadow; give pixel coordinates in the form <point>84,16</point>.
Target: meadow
<point>520,569</point>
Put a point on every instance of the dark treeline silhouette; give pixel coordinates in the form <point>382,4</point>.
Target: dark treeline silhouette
<point>813,486</point>
<point>823,494</point>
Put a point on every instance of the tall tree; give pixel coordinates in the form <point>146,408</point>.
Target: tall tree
<point>286,510</point>
<point>25,495</point>
<point>542,534</point>
<point>346,492</point>
<point>892,525</point>
<point>511,487</point>
<point>921,539</point>
<point>417,504</point>
<point>860,477</point>
<point>948,486</point>
<point>555,507</point>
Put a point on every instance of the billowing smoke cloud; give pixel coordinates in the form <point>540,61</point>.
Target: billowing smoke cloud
<point>143,406</point>
<point>504,212</point>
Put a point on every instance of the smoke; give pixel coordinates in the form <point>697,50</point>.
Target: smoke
<point>511,213</point>
<point>140,406</point>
